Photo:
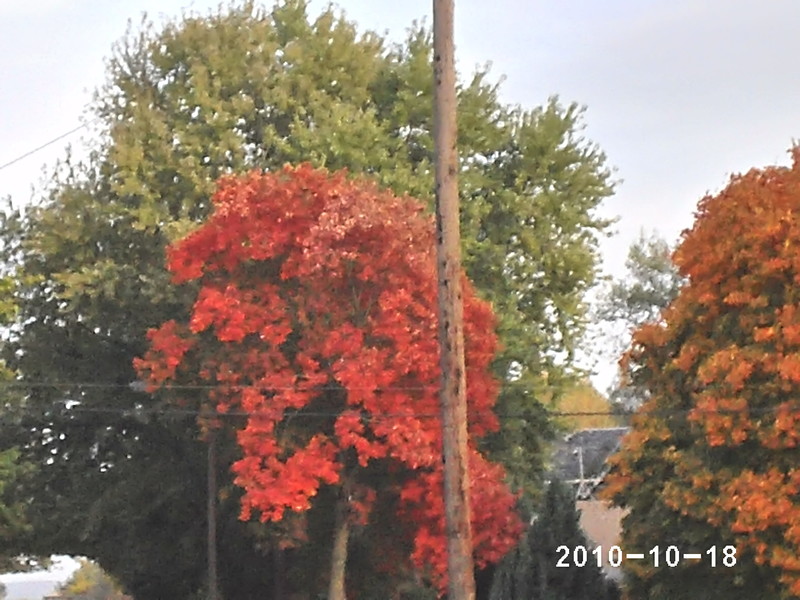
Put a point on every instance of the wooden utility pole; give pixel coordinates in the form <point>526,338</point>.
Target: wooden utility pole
<point>451,316</point>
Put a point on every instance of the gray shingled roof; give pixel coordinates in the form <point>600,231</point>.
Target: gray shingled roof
<point>592,447</point>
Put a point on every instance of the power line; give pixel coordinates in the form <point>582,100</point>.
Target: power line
<point>43,146</point>
<point>289,413</point>
<point>142,386</point>
<point>272,414</point>
<point>75,407</point>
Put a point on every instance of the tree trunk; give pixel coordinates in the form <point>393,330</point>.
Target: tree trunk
<point>341,535</point>
<point>542,574</point>
<point>278,573</point>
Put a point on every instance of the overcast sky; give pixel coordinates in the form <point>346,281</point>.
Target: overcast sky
<point>680,94</point>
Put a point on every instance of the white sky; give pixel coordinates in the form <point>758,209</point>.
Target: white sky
<point>680,94</point>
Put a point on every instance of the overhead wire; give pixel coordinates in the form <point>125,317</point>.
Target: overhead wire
<point>45,145</point>
<point>267,414</point>
<point>141,386</point>
<point>140,409</point>
<point>75,405</point>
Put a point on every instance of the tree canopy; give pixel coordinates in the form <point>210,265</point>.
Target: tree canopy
<point>90,582</point>
<point>316,318</point>
<point>592,408</point>
<point>712,457</point>
<point>13,523</point>
<point>253,88</point>
<point>650,283</point>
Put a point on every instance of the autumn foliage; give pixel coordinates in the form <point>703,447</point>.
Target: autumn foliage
<point>316,320</point>
<point>717,440</point>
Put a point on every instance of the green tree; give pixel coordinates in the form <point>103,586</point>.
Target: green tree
<point>13,522</point>
<point>12,517</point>
<point>8,308</point>
<point>243,88</point>
<point>650,283</point>
<point>529,572</point>
<point>582,397</point>
<point>90,582</point>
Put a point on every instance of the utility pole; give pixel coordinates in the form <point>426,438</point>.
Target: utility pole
<point>453,396</point>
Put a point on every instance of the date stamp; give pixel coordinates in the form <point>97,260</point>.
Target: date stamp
<point>657,556</point>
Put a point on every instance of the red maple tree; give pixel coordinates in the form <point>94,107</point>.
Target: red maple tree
<point>316,318</point>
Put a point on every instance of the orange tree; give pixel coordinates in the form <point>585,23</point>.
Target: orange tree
<point>712,458</point>
<point>315,328</point>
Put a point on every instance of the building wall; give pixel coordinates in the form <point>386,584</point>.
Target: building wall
<point>602,524</point>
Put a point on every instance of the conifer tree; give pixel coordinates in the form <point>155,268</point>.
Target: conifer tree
<point>529,572</point>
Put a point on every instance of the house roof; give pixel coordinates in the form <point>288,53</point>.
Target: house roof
<point>580,458</point>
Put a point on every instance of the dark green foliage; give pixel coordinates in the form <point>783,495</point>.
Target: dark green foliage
<point>529,572</point>
<point>651,520</point>
<point>12,511</point>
